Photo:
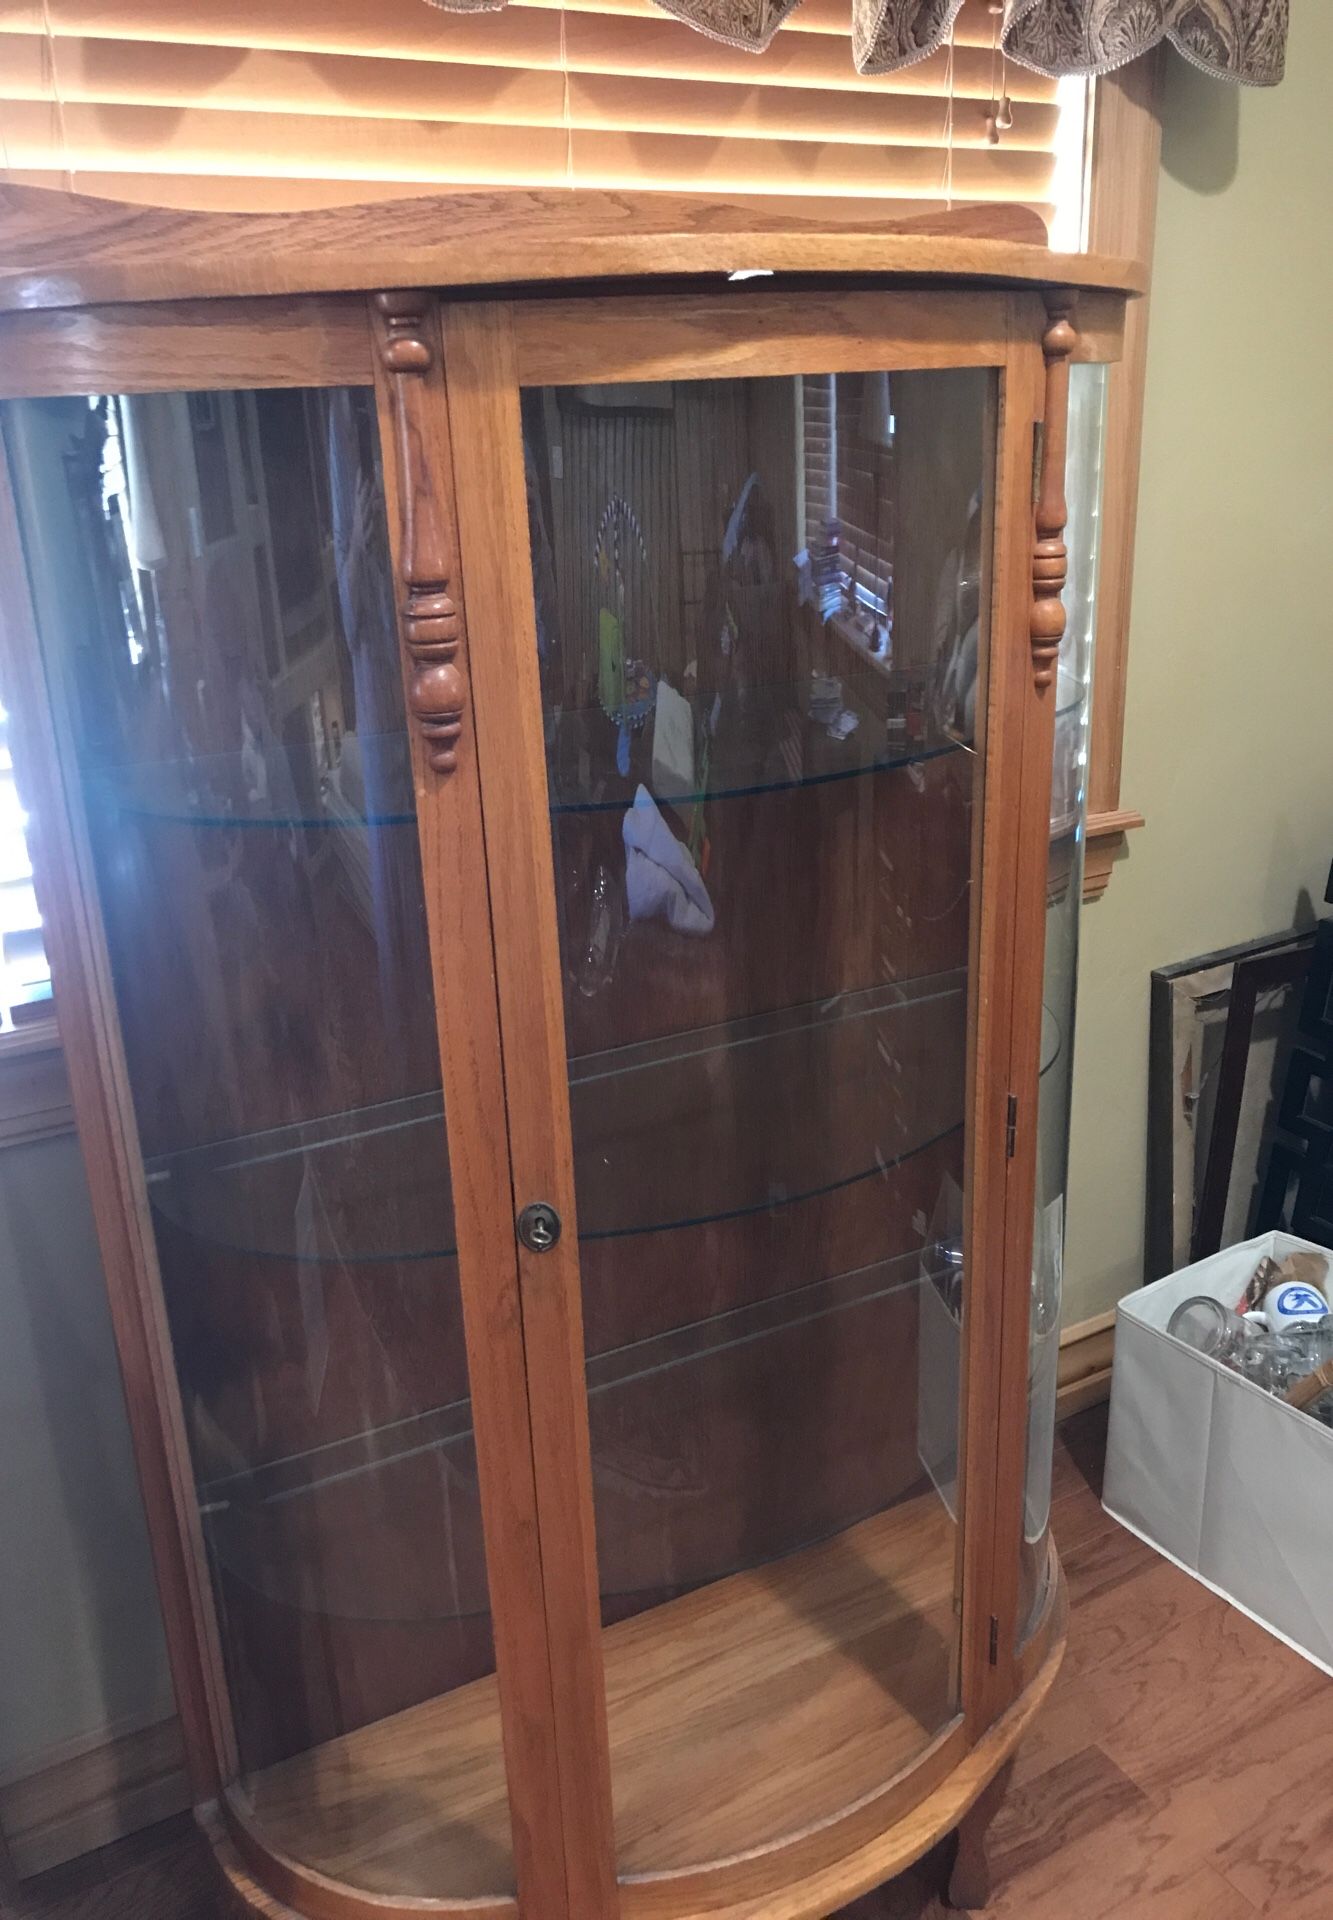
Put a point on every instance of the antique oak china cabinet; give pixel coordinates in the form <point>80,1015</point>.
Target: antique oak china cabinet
<point>556,769</point>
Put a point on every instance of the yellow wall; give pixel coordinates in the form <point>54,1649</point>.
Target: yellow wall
<point>83,1649</point>
<point>1229,729</point>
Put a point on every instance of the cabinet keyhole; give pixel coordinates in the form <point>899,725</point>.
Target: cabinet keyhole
<point>539,1226</point>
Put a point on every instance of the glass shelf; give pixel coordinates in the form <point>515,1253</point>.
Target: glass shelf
<point>275,786</point>
<point>764,744</point>
<point>768,748</point>
<point>743,1117</point>
<point>303,1530</point>
<point>667,1135</point>
<point>753,1115</point>
<point>363,1185</point>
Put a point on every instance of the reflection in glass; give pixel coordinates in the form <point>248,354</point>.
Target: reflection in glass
<point>212,582</point>
<point>761,623</point>
<point>1064,895</point>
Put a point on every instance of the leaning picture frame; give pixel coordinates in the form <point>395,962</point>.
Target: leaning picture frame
<point>1219,1034</point>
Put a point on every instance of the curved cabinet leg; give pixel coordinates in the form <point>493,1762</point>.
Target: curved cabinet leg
<point>969,1882</point>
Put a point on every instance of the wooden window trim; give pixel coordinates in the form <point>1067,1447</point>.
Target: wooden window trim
<point>1122,218</point>
<point>35,1100</point>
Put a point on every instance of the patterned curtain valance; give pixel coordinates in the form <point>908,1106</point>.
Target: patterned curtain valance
<point>1239,39</point>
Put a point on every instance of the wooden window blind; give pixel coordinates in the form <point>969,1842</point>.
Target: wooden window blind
<point>255,103</point>
<point>25,977</point>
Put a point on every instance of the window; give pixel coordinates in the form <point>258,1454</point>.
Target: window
<point>25,977</point>
<point>214,106</point>
<point>847,467</point>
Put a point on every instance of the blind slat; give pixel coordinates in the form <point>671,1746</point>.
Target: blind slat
<point>118,73</point>
<point>974,25</point>
<point>649,44</point>
<point>200,140</point>
<point>412,29</point>
<point>232,192</point>
<point>244,103</point>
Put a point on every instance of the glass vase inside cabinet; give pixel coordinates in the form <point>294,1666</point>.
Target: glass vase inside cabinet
<point>211,578</point>
<point>763,620</point>
<point>1064,899</point>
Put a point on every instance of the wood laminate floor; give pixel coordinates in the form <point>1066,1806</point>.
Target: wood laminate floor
<point>1182,1769</point>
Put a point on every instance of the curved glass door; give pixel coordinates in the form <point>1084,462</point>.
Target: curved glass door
<point>762,615</point>
<point>212,581</point>
<point>1064,899</point>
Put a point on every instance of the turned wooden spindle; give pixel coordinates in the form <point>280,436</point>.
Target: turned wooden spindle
<point>1049,556</point>
<point>432,625</point>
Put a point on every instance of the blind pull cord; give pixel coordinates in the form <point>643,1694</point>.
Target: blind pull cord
<point>1001,115</point>
<point>569,116</point>
<point>49,50</point>
<point>948,130</point>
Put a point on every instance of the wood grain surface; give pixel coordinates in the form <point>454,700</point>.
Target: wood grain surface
<point>1173,1775</point>
<point>506,695</point>
<point>1122,216</point>
<point>995,1391</point>
<point>173,346</point>
<point>422,511</point>
<point>66,250</point>
<point>566,342</point>
<point>738,1715</point>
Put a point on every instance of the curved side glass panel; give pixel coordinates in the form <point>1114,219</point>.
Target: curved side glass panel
<point>1064,897</point>
<point>762,616</point>
<point>213,588</point>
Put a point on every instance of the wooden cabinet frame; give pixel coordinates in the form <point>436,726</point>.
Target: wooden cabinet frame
<point>447,373</point>
<point>491,351</point>
<point>237,350</point>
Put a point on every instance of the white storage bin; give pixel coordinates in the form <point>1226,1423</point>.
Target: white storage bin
<point>1230,1483</point>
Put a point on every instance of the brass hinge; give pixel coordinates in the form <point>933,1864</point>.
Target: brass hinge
<point>1038,450</point>
<point>1011,1127</point>
<point>994,1641</point>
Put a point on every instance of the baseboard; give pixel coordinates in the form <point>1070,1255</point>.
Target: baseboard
<point>91,1792</point>
<point>1084,1376</point>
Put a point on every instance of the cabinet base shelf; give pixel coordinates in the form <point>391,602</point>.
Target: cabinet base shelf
<point>741,1715</point>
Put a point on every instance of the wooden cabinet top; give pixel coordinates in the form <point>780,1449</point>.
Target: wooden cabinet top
<point>70,250</point>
